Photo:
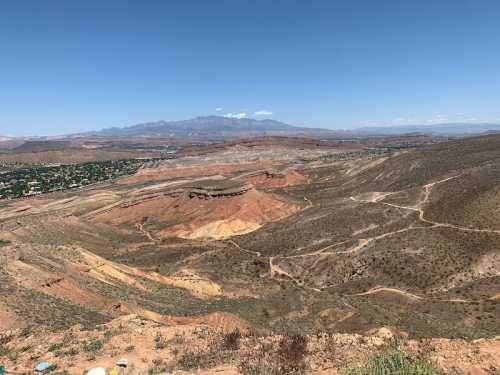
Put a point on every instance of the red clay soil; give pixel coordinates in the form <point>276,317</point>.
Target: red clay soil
<point>197,217</point>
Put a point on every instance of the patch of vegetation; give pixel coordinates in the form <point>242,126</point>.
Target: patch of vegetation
<point>395,363</point>
<point>51,369</point>
<point>4,242</point>
<point>56,346</point>
<point>292,353</point>
<point>289,358</point>
<point>160,342</point>
<point>93,347</point>
<point>68,353</point>
<point>196,360</point>
<point>159,367</point>
<point>27,348</point>
<point>57,314</point>
<point>261,363</point>
<point>109,333</point>
<point>129,348</point>
<point>8,352</point>
<point>36,180</point>
<point>219,350</point>
<point>231,340</point>
<point>178,339</point>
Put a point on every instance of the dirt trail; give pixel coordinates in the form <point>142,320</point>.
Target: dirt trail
<point>276,270</point>
<point>256,253</point>
<point>310,204</point>
<point>273,269</point>
<point>145,232</point>
<point>379,289</point>
<point>362,243</point>
<point>196,257</point>
<point>317,252</point>
<point>420,210</point>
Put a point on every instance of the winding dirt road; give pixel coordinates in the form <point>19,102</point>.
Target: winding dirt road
<point>379,289</point>
<point>256,253</point>
<point>362,243</point>
<point>420,210</point>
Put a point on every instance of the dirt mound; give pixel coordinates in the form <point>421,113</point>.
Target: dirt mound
<point>273,179</point>
<point>196,216</point>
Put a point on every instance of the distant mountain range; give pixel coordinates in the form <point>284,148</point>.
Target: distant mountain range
<point>44,145</point>
<point>209,126</point>
<point>449,129</point>
<point>218,126</point>
<point>227,128</point>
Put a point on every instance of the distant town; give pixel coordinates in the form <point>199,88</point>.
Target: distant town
<point>35,180</point>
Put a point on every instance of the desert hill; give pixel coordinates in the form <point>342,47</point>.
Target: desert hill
<point>275,239</point>
<point>213,209</point>
<point>38,146</point>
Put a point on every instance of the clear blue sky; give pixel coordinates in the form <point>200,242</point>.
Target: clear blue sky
<point>67,66</point>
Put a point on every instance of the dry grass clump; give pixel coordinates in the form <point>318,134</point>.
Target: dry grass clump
<point>231,340</point>
<point>289,357</point>
<point>394,363</point>
<point>219,349</point>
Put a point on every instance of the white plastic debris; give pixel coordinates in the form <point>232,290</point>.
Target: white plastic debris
<point>97,371</point>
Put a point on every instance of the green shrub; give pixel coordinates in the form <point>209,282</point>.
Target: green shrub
<point>6,351</point>
<point>93,346</point>
<point>395,363</point>
<point>70,352</point>
<point>196,360</point>
<point>27,348</point>
<point>56,346</point>
<point>160,342</point>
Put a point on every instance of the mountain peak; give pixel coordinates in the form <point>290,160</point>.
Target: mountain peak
<point>210,126</point>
